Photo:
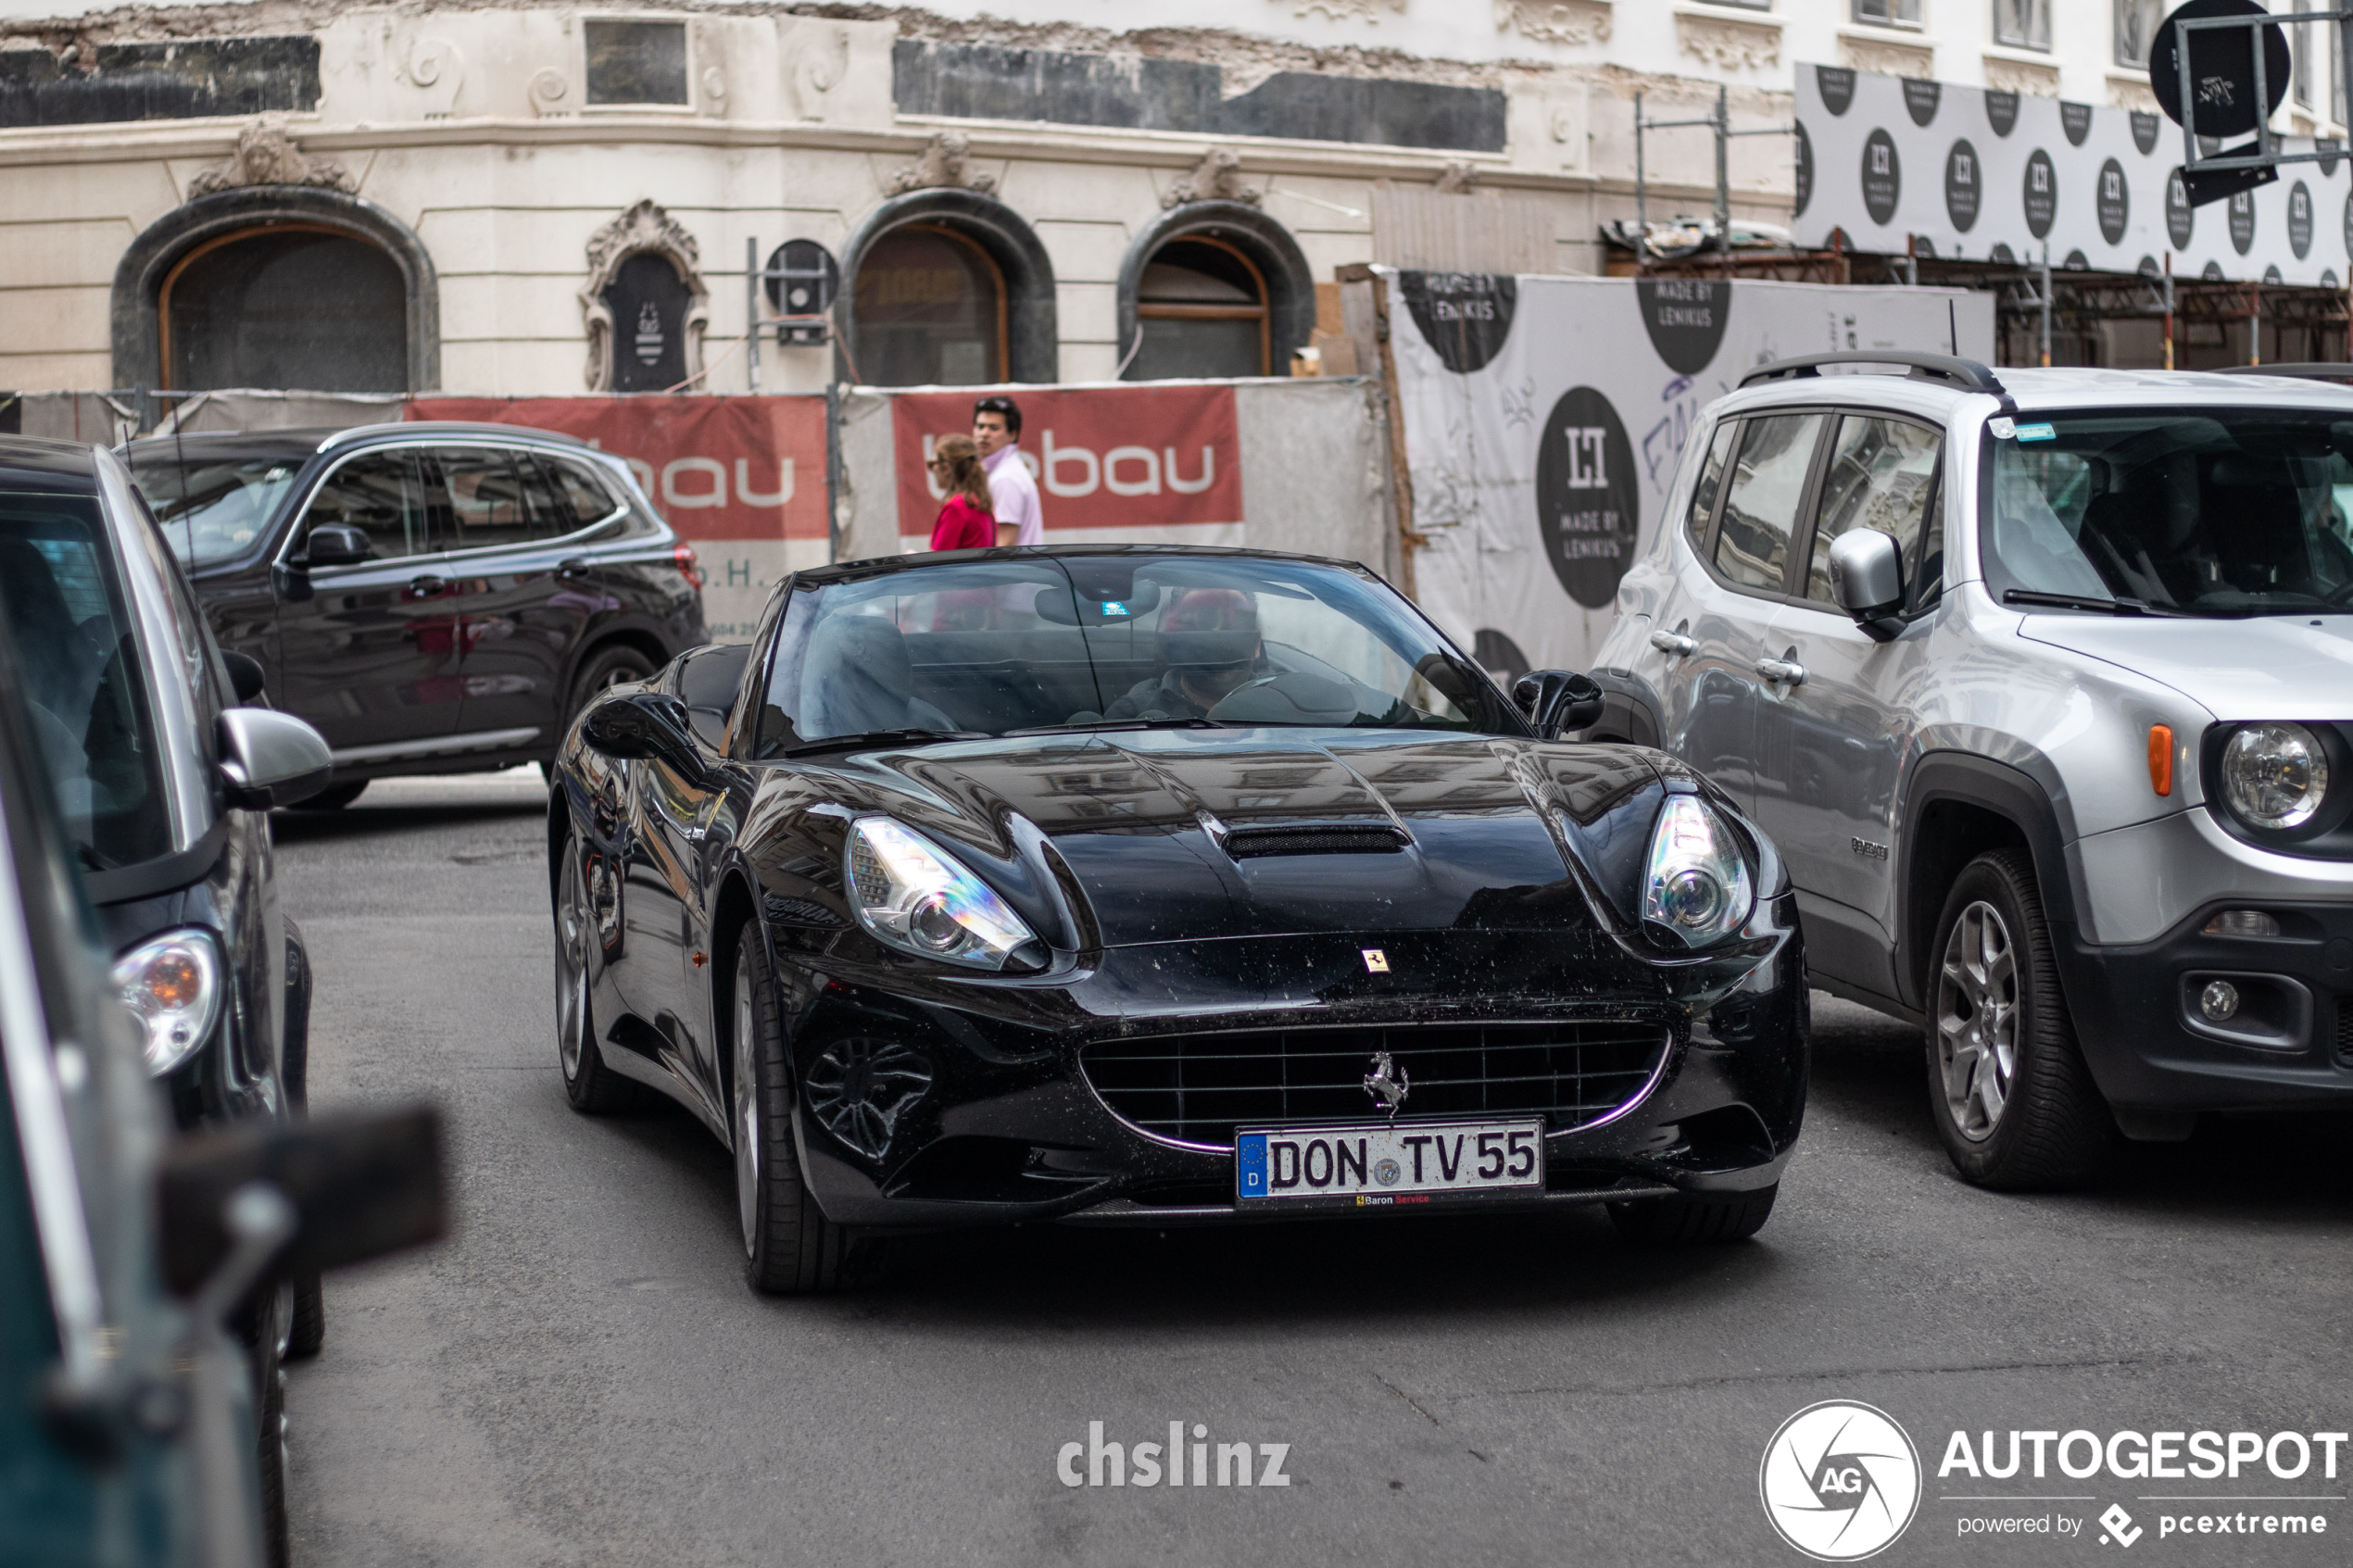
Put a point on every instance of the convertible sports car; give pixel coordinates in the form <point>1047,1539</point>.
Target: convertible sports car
<point>1130,883</point>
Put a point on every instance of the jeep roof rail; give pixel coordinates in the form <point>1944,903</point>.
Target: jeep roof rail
<point>2317,371</point>
<point>1967,374</point>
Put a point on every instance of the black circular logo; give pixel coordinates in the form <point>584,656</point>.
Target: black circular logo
<point>2076,120</point>
<point>2213,273</point>
<point>2270,276</point>
<point>2042,194</point>
<point>2299,220</point>
<point>1588,496</point>
<point>1499,655</point>
<point>2077,262</point>
<point>804,278</point>
<point>2004,254</point>
<point>2148,267</point>
<point>1837,86</point>
<point>2115,202</point>
<point>1961,189</point>
<point>1685,318</point>
<point>2328,277</point>
<point>2222,71</point>
<point>1920,99</point>
<point>2001,112</point>
<point>2326,148</point>
<point>2145,131</point>
<point>1882,177</point>
<point>2181,218</point>
<point>1464,316</point>
<point>1805,172</point>
<point>2242,221</point>
<point>1922,246</point>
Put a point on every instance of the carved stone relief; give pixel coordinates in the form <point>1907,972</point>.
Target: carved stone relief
<point>551,93</point>
<point>436,68</point>
<point>265,154</point>
<point>818,66</point>
<point>1726,44</point>
<point>942,162</point>
<point>2021,76</point>
<point>1555,21</point>
<point>1217,177</point>
<point>1885,57</point>
<point>1346,10</point>
<point>1459,179</point>
<point>644,229</point>
<point>2132,92</point>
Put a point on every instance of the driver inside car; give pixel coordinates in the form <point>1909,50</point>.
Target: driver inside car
<point>1210,644</point>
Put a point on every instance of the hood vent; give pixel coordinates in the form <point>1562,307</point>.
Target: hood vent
<point>1314,838</point>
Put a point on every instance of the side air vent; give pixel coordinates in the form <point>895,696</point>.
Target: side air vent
<point>1245,844</point>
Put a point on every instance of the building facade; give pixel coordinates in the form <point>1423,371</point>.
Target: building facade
<point>517,199</point>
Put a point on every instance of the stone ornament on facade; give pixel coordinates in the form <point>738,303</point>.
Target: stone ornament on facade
<point>1217,177</point>
<point>436,68</point>
<point>941,163</point>
<point>1346,10</point>
<point>1725,45</point>
<point>644,229</point>
<point>1556,21</point>
<point>817,71</point>
<point>1882,57</point>
<point>2003,75</point>
<point>265,154</point>
<point>1459,179</point>
<point>2132,92</point>
<point>550,93</point>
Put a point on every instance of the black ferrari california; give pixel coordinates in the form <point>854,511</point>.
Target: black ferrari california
<point>1151,885</point>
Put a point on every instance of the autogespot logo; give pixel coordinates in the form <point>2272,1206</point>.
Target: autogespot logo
<point>1840,1481</point>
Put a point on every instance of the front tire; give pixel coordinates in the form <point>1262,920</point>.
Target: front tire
<point>791,1248</point>
<point>593,1088</point>
<point>2012,1100</point>
<point>616,664</point>
<point>1695,1217</point>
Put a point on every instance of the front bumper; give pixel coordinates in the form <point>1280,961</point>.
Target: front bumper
<point>1007,1126</point>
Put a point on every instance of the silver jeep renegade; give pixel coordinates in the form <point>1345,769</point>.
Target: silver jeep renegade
<point>2043,684</point>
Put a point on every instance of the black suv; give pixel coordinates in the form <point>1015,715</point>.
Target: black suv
<point>433,598</point>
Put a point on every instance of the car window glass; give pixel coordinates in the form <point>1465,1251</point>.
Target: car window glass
<point>708,680</point>
<point>378,494</point>
<point>1883,474</point>
<point>586,497</point>
<point>1711,480</point>
<point>212,507</point>
<point>1768,483</point>
<point>494,500</point>
<point>80,670</point>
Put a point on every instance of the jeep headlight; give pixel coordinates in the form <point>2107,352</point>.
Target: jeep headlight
<point>911,895</point>
<point>173,985</point>
<point>1695,886</point>
<point>2274,777</point>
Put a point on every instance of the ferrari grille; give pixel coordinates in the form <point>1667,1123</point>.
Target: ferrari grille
<point>1244,843</point>
<point>1197,1088</point>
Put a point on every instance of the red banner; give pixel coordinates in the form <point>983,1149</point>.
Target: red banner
<point>717,468</point>
<point>1105,458</point>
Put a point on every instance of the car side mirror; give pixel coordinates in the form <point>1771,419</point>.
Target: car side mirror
<point>645,726</point>
<point>360,1183</point>
<point>269,759</point>
<point>246,677</point>
<point>1558,700</point>
<point>336,544</point>
<point>1866,579</point>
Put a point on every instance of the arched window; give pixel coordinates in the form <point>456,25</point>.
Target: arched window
<point>1202,307</point>
<point>931,310</point>
<point>287,305</point>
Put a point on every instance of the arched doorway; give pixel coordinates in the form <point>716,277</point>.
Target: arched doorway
<point>1202,307</point>
<point>931,310</point>
<point>286,306</point>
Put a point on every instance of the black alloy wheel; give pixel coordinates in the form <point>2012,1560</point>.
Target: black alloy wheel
<point>616,664</point>
<point>1695,1217</point>
<point>791,1248</point>
<point>2007,1088</point>
<point>334,798</point>
<point>594,1088</point>
<point>262,1326</point>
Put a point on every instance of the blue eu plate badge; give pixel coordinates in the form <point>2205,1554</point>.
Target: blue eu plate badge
<point>1250,1152</point>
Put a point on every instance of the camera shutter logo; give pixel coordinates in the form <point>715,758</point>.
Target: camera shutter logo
<point>1840,1481</point>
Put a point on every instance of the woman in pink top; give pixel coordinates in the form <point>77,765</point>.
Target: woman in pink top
<point>965,522</point>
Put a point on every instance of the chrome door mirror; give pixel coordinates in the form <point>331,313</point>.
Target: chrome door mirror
<point>1866,579</point>
<point>644,726</point>
<point>1558,700</point>
<point>269,759</point>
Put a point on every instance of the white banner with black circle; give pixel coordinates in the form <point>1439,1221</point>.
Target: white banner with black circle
<point>1974,175</point>
<point>1545,418</point>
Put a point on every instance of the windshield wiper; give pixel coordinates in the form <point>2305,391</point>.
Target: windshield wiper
<point>877,737</point>
<point>1124,724</point>
<point>2086,601</point>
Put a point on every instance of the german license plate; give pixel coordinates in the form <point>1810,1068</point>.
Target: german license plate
<point>1379,1165</point>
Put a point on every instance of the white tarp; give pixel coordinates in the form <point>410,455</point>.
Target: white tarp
<point>1544,418</point>
<point>1981,175</point>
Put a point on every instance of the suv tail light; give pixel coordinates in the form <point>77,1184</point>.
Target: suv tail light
<point>683,559</point>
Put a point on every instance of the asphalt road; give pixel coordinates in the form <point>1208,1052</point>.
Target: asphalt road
<point>581,1376</point>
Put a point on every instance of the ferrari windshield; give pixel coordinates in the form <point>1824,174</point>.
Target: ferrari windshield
<point>1082,643</point>
<point>2211,513</point>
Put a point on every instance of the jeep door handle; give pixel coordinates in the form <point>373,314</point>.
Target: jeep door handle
<point>1673,642</point>
<point>1782,670</point>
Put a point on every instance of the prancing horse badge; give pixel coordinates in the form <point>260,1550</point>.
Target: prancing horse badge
<point>1375,961</point>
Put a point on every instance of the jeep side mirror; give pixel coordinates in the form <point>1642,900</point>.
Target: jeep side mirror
<point>647,726</point>
<point>1558,700</point>
<point>1867,578</point>
<point>336,544</point>
<point>269,758</point>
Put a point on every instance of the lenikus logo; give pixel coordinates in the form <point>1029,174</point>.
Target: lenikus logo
<point>1841,1481</point>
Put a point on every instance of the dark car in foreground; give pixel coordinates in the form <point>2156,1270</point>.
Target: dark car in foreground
<point>432,597</point>
<point>1126,885</point>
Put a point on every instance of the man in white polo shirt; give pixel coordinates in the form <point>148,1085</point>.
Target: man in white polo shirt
<point>997,432</point>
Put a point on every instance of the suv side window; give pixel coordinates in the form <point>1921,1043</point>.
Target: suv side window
<point>584,494</point>
<point>495,499</point>
<point>1883,473</point>
<point>1711,480</point>
<point>1760,508</point>
<point>379,493</point>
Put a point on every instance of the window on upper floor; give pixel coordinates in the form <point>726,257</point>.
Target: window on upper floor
<point>1888,13</point>
<point>2022,24</point>
<point>2301,39</point>
<point>1741,4</point>
<point>2137,30</point>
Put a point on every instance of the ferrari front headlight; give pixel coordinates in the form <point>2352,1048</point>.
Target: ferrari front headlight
<point>1695,886</point>
<point>911,895</point>
<point>173,985</point>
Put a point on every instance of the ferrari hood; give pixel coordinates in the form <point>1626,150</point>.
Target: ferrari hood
<point>1186,834</point>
